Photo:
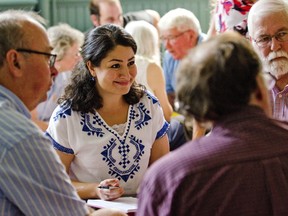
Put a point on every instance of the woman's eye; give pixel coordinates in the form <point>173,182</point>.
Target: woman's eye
<point>131,63</point>
<point>115,66</point>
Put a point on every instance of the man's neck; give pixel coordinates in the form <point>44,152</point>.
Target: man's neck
<point>282,82</point>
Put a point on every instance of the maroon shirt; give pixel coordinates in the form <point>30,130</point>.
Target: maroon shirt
<point>241,168</point>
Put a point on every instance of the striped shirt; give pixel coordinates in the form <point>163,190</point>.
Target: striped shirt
<point>279,101</point>
<point>33,180</point>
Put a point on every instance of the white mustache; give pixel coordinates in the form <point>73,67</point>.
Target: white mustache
<point>277,54</point>
<point>276,68</point>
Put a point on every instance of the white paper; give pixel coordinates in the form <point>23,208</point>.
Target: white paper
<point>125,204</point>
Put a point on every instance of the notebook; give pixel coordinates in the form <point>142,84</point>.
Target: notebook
<point>125,204</point>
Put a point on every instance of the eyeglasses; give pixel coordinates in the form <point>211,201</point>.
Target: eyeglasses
<point>265,40</point>
<point>173,37</point>
<point>52,57</point>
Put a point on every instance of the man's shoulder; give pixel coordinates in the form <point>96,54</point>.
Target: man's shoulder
<point>20,133</point>
<point>174,162</point>
<point>202,37</point>
<point>168,56</point>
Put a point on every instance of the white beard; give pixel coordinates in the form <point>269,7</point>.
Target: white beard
<point>278,67</point>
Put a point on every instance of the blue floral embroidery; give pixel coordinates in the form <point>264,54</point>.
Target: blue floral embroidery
<point>152,98</point>
<point>128,166</point>
<point>87,125</point>
<point>144,116</point>
<point>65,110</point>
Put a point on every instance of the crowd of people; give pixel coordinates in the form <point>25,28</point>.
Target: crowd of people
<point>190,123</point>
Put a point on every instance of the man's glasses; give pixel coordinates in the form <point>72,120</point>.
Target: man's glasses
<point>265,40</point>
<point>173,37</point>
<point>52,57</point>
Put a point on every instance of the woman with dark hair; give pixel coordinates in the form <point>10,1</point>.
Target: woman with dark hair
<point>107,129</point>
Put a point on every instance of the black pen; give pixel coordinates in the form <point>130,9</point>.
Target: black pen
<point>107,187</point>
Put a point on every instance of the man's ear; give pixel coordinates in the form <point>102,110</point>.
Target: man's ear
<point>13,59</point>
<point>193,37</point>
<point>94,20</point>
<point>260,97</point>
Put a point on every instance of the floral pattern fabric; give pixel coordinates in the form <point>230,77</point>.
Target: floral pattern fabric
<point>232,15</point>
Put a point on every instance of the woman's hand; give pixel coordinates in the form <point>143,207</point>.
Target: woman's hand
<point>110,189</point>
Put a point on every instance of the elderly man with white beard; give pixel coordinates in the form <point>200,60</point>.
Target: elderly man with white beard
<point>268,31</point>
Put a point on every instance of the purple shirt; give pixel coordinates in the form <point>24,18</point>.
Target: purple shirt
<point>241,168</point>
<point>279,102</point>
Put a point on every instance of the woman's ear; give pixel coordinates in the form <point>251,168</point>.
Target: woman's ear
<point>91,68</point>
<point>14,63</point>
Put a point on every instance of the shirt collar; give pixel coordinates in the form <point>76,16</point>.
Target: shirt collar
<point>14,101</point>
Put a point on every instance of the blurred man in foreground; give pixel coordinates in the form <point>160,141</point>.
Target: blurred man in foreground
<point>33,179</point>
<point>241,167</point>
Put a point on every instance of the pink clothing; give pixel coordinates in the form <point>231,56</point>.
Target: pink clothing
<point>279,102</point>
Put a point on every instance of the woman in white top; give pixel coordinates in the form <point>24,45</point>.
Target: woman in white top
<point>108,128</point>
<point>147,60</point>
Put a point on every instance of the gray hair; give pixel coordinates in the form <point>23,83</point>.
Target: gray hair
<point>219,82</point>
<point>62,37</point>
<point>181,19</point>
<point>147,39</point>
<point>11,27</point>
<point>263,8</point>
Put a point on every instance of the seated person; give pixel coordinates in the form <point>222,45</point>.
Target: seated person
<point>108,129</point>
<point>147,58</point>
<point>241,167</point>
<point>66,42</point>
<point>180,31</point>
<point>33,180</point>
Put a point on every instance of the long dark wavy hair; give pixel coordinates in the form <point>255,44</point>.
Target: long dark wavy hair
<point>82,91</point>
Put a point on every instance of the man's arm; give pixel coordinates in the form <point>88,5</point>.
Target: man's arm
<point>34,179</point>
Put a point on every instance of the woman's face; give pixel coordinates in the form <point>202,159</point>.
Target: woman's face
<point>70,59</point>
<point>116,72</point>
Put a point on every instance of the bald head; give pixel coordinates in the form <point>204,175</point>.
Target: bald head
<point>12,31</point>
<point>25,56</point>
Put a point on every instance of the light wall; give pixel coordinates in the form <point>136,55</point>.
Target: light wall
<point>76,12</point>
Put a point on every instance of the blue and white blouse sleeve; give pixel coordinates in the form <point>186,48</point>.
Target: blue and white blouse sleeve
<point>159,123</point>
<point>58,131</point>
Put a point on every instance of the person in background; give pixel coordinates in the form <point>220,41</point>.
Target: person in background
<point>108,129</point>
<point>241,167</point>
<point>229,15</point>
<point>33,179</point>
<point>110,11</point>
<point>147,58</point>
<point>180,31</point>
<point>268,31</point>
<point>66,42</point>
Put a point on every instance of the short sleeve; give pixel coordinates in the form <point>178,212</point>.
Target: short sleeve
<point>58,129</point>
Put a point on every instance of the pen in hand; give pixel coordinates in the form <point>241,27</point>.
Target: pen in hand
<point>107,187</point>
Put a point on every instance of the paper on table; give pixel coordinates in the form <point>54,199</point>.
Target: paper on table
<point>125,204</point>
